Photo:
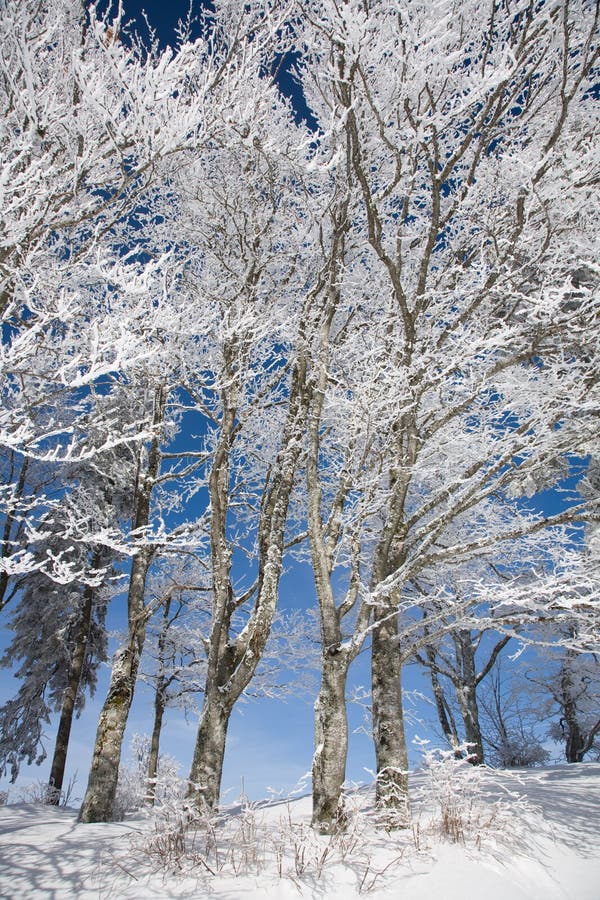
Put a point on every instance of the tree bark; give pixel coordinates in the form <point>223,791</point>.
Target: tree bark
<point>104,774</point>
<point>160,703</point>
<point>331,744</point>
<point>391,790</point>
<point>466,693</point>
<point>207,765</point>
<point>159,711</point>
<point>57,771</point>
<point>574,739</point>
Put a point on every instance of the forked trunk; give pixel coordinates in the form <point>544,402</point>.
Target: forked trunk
<point>232,660</point>
<point>207,765</point>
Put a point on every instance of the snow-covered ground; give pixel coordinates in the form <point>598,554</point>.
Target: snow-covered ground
<point>536,837</point>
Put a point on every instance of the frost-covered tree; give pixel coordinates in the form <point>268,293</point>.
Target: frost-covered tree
<point>58,624</point>
<point>252,239</point>
<point>144,534</point>
<point>177,645</point>
<point>174,660</point>
<point>463,658</point>
<point>469,137</point>
<point>223,345</point>
<point>512,733</point>
<point>565,688</point>
<point>133,785</point>
<point>396,311</point>
<point>87,123</point>
<point>59,602</point>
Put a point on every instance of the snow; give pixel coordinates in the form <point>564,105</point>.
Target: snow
<point>547,847</point>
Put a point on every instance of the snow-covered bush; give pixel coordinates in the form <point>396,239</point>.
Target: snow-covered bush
<point>40,793</point>
<point>252,838</point>
<point>468,804</point>
<point>132,789</point>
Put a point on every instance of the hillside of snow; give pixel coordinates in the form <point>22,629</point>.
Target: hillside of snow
<point>526,835</point>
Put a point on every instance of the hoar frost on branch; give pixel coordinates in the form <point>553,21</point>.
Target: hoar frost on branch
<point>380,336</point>
<point>459,136</point>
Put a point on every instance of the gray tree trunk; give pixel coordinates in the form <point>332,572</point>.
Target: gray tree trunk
<point>324,532</point>
<point>159,711</point>
<point>102,784</point>
<point>207,765</point>
<point>331,744</point>
<point>574,737</point>
<point>469,709</point>
<point>391,792</point>
<point>59,759</point>
<point>160,703</point>
<point>104,774</point>
<point>466,693</point>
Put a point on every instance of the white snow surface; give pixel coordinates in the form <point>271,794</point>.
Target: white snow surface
<point>536,837</point>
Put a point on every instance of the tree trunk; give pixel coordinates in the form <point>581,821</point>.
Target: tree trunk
<point>59,759</point>
<point>467,700</point>
<point>159,711</point>
<point>207,765</point>
<point>331,744</point>
<point>574,741</point>
<point>104,774</point>
<point>160,702</point>
<point>466,693</point>
<point>391,791</point>
<point>445,717</point>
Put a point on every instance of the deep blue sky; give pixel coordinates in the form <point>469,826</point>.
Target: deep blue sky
<point>163,16</point>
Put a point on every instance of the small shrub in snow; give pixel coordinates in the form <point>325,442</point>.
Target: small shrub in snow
<point>40,793</point>
<point>457,802</point>
<point>462,802</point>
<point>248,841</point>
